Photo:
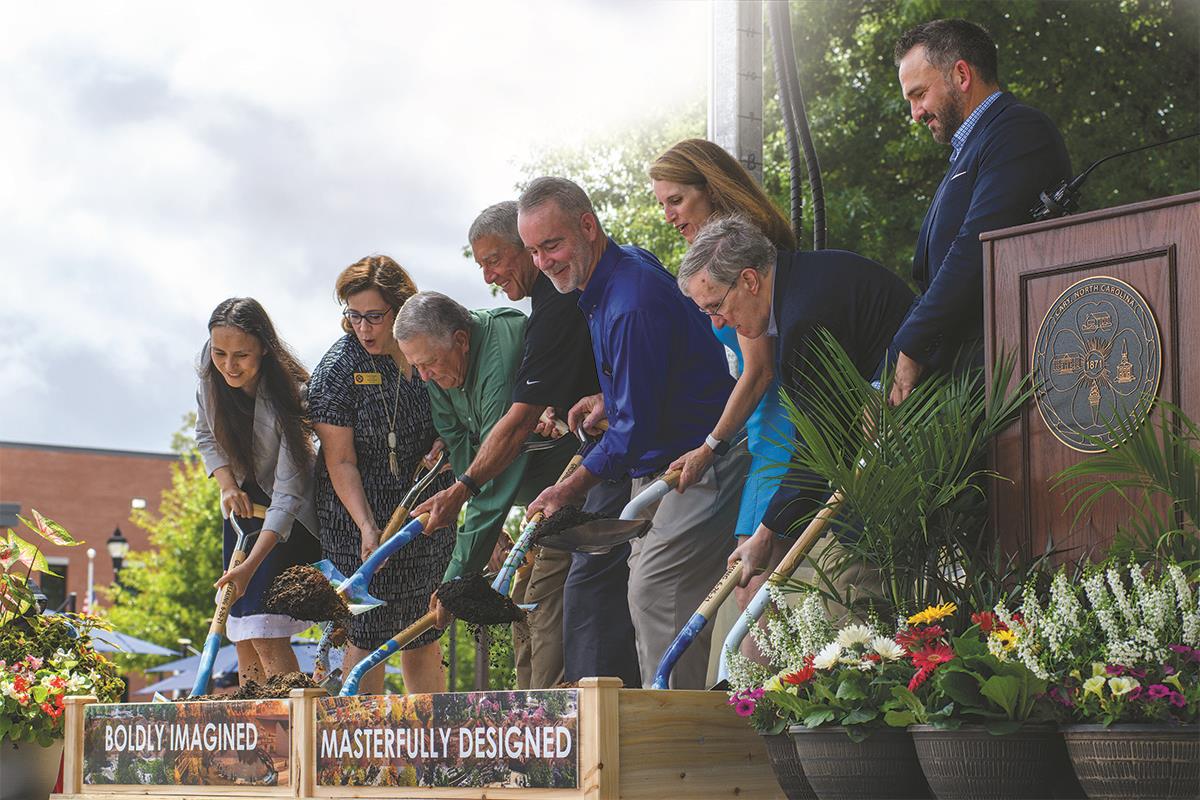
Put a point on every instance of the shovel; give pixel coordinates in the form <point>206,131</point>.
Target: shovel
<point>344,586</point>
<point>224,602</point>
<point>501,584</point>
<point>790,563</point>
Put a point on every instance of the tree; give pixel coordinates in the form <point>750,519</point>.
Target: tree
<point>166,593</point>
<point>1113,74</point>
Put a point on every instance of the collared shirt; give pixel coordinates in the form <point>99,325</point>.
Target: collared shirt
<point>556,366</point>
<point>663,374</point>
<point>960,136</point>
<point>465,415</point>
<point>772,328</point>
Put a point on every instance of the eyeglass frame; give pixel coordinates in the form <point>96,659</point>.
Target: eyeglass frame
<point>716,312</point>
<point>349,315</point>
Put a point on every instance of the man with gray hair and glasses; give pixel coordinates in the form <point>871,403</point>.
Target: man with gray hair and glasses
<point>664,381</point>
<point>471,361</point>
<point>736,276</point>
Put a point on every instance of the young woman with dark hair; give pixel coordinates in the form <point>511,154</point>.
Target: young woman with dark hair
<point>255,440</point>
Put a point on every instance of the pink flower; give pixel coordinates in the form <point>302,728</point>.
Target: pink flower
<point>34,662</point>
<point>1157,691</point>
<point>1177,700</point>
<point>745,707</point>
<point>1187,652</point>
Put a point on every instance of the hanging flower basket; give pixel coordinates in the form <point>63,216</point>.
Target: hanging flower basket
<point>1129,761</point>
<point>785,761</point>
<point>884,765</point>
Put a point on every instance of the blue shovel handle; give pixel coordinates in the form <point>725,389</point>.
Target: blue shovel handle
<point>362,576</point>
<point>697,623</point>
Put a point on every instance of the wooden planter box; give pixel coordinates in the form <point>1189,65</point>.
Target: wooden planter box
<point>623,743</point>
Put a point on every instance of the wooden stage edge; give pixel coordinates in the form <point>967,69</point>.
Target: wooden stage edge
<point>633,744</point>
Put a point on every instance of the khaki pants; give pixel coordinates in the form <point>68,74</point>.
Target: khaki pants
<point>538,640</point>
<point>673,568</point>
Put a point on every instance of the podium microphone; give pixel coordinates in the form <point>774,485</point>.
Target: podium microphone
<point>1065,198</point>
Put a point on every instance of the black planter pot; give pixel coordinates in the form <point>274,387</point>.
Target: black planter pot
<point>884,765</point>
<point>781,751</point>
<point>1123,761</point>
<point>970,763</point>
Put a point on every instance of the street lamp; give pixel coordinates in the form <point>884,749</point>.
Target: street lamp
<point>118,548</point>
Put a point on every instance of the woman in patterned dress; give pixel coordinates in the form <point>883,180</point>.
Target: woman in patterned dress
<point>371,412</point>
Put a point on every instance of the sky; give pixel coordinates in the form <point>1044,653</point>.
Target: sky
<point>160,157</point>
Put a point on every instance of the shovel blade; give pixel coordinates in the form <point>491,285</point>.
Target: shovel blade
<point>597,537</point>
<point>358,598</point>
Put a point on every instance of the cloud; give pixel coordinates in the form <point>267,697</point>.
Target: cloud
<point>160,158</point>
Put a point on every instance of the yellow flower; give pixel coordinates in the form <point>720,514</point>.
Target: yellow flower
<point>1094,685</point>
<point>1098,669</point>
<point>1122,686</point>
<point>1006,638</point>
<point>932,614</point>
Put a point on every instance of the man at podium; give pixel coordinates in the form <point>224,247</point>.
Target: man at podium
<point>1002,155</point>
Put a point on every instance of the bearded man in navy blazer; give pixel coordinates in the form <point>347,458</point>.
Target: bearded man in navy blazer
<point>1003,154</point>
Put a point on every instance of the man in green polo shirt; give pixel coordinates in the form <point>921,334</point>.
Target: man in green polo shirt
<point>470,362</point>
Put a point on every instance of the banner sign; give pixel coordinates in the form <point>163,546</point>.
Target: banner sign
<point>203,743</point>
<point>478,739</point>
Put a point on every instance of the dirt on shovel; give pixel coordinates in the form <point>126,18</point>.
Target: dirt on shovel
<point>472,599</point>
<point>303,593</point>
<point>566,517</point>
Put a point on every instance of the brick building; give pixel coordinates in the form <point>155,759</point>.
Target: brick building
<point>90,493</point>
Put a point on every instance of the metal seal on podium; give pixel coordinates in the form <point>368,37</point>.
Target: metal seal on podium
<point>1097,360</point>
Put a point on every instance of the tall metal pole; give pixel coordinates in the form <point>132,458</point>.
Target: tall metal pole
<point>91,592</point>
<point>735,86</point>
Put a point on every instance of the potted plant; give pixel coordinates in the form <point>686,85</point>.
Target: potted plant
<point>838,697</point>
<point>1122,649</point>
<point>979,719</point>
<point>790,634</point>
<point>42,660</point>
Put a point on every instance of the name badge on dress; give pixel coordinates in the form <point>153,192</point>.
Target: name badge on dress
<point>367,379</point>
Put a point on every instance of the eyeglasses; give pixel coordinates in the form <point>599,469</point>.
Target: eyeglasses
<point>716,310</point>
<point>371,317</point>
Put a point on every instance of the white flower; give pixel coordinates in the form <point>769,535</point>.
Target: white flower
<point>852,635</point>
<point>828,656</point>
<point>887,648</point>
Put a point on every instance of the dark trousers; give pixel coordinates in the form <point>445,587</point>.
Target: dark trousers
<point>598,636</point>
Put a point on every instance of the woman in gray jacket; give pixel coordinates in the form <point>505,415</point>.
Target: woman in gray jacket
<point>256,441</point>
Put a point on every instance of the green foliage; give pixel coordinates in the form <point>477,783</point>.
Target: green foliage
<point>613,171</point>
<point>166,593</point>
<point>1113,74</point>
<point>1155,469</point>
<point>1003,695</point>
<point>915,512</point>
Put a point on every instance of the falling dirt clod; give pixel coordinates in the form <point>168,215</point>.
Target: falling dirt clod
<point>472,599</point>
<point>302,592</point>
<point>566,517</point>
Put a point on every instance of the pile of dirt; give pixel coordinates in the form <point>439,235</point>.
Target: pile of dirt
<point>566,517</point>
<point>472,599</point>
<point>275,687</point>
<point>302,592</point>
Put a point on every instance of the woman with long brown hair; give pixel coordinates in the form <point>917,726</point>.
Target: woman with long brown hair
<point>254,438</point>
<point>693,181</point>
<point>371,412</point>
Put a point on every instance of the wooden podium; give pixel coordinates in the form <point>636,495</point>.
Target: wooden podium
<point>1104,309</point>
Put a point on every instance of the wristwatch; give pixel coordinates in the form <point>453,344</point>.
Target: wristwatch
<point>718,446</point>
<point>469,482</point>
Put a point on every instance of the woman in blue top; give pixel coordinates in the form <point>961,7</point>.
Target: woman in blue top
<point>694,180</point>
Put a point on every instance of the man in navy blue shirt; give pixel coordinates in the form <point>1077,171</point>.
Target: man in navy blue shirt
<point>733,273</point>
<point>664,381</point>
<point>1002,154</point>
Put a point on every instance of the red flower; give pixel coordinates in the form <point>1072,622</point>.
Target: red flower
<point>20,684</point>
<point>987,622</point>
<point>919,678</point>
<point>914,639</point>
<point>800,676</point>
<point>933,656</point>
